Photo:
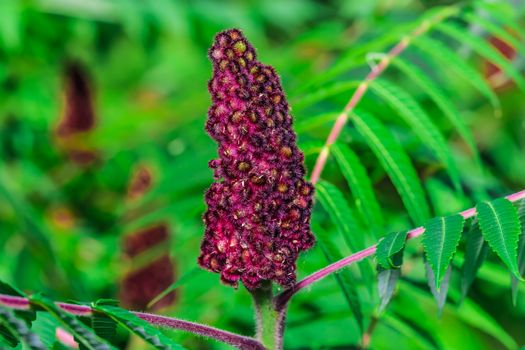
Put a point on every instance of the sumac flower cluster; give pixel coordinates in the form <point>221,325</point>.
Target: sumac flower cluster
<point>259,208</point>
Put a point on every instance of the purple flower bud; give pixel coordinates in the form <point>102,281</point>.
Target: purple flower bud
<point>258,217</point>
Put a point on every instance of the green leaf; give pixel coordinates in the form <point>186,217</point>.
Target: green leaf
<point>344,278</point>
<point>138,326</point>
<point>484,49</point>
<point>45,326</point>
<point>440,294</point>
<point>83,334</point>
<point>450,60</point>
<point>8,336</point>
<point>441,100</point>
<point>105,327</point>
<point>521,250</point>
<point>440,240</point>
<point>19,327</point>
<point>420,123</point>
<point>387,247</point>
<point>475,253</point>
<point>396,163</point>
<point>360,185</point>
<point>28,315</point>
<point>500,226</point>
<point>337,208</point>
<point>340,213</point>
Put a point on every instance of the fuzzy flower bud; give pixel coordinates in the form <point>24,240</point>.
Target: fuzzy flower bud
<point>259,208</point>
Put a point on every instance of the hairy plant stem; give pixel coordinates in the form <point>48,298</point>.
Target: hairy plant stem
<point>282,299</point>
<point>239,341</point>
<point>266,317</point>
<point>270,311</point>
<point>341,120</point>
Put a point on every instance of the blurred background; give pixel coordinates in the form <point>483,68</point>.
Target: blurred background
<point>103,159</point>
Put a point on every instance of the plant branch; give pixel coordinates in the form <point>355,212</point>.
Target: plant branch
<point>363,87</point>
<point>239,341</point>
<point>283,298</point>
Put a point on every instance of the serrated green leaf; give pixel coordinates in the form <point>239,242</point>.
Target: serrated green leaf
<point>360,185</point>
<point>484,49</point>
<point>356,57</point>
<point>10,290</point>
<point>27,315</point>
<point>83,334</point>
<point>337,208</point>
<point>387,247</point>
<point>340,213</point>
<point>475,253</point>
<point>45,326</point>
<point>440,294</point>
<point>7,336</point>
<point>104,326</point>
<point>470,313</point>
<point>419,122</point>
<point>20,328</point>
<point>500,226</point>
<point>440,240</point>
<point>441,100</point>
<point>138,326</point>
<point>396,163</point>
<point>344,278</point>
<point>521,250</point>
<point>450,60</point>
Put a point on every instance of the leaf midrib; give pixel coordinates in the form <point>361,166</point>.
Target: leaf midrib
<point>500,230</point>
<point>392,163</point>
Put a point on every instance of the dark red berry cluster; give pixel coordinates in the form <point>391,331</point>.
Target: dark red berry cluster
<point>259,209</point>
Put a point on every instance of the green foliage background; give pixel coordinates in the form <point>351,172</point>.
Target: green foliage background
<point>149,69</point>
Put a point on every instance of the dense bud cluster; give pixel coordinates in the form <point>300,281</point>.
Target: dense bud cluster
<point>258,214</point>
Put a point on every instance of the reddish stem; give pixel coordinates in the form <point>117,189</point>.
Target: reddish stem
<point>363,87</point>
<point>283,298</point>
<point>242,342</point>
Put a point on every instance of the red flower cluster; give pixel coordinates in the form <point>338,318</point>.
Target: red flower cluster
<point>258,214</point>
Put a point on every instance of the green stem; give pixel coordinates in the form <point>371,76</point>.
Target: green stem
<point>266,317</point>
